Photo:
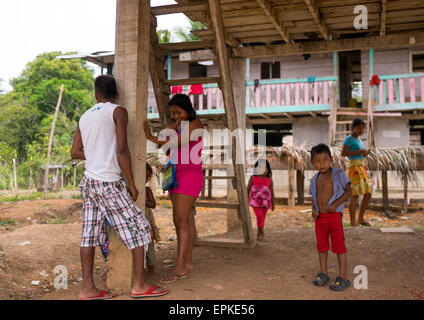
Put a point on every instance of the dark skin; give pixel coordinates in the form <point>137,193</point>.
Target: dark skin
<point>356,133</point>
<point>181,204</point>
<point>120,117</point>
<point>150,203</point>
<point>260,236</point>
<point>325,190</point>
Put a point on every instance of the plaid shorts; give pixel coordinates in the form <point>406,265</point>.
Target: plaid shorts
<point>111,202</point>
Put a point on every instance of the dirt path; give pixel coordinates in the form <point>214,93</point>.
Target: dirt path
<point>280,268</point>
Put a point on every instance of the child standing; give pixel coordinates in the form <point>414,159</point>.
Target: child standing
<point>329,188</point>
<point>354,149</point>
<point>154,231</point>
<point>261,193</point>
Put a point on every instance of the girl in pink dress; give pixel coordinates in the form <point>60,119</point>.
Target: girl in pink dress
<point>261,193</point>
<point>189,176</point>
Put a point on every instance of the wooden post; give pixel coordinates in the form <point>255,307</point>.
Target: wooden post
<point>204,185</point>
<point>15,181</point>
<point>385,190</point>
<point>238,71</point>
<point>157,75</point>
<point>210,172</point>
<point>49,149</point>
<point>291,201</point>
<point>300,184</point>
<point>131,70</point>
<point>30,176</point>
<point>405,193</point>
<point>61,178</point>
<point>75,175</point>
<point>230,111</point>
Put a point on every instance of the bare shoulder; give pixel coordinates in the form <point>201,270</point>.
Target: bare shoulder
<point>120,112</point>
<point>196,124</point>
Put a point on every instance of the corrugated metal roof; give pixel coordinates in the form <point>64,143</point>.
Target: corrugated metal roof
<point>100,58</point>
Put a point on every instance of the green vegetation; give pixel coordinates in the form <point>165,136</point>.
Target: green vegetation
<point>57,220</point>
<point>7,222</point>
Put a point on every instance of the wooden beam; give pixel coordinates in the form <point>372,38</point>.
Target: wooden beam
<point>180,8</point>
<point>316,14</point>
<point>273,17</point>
<point>182,82</point>
<point>189,45</point>
<point>383,17</point>
<point>198,55</point>
<point>131,72</point>
<point>157,75</point>
<point>400,40</point>
<point>230,110</point>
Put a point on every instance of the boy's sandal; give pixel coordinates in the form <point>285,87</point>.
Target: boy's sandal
<point>172,277</point>
<point>340,284</point>
<point>321,279</point>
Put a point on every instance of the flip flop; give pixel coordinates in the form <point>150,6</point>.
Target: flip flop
<point>149,293</point>
<point>102,296</point>
<point>176,277</point>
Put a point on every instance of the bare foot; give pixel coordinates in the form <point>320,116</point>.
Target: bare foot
<point>189,266</point>
<point>260,237</point>
<point>365,223</point>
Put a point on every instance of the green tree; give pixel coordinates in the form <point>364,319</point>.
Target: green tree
<point>185,35</point>
<point>40,81</point>
<point>164,36</point>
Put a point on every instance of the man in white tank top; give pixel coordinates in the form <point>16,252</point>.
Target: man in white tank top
<point>101,140</point>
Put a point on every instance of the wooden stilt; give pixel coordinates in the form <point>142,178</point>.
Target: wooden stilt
<point>131,73</point>
<point>300,184</point>
<point>210,172</point>
<point>291,201</point>
<point>385,190</point>
<point>405,193</point>
<point>157,74</point>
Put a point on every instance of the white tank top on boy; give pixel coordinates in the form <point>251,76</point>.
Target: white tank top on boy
<point>99,140</point>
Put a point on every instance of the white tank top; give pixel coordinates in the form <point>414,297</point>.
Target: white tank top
<point>99,140</point>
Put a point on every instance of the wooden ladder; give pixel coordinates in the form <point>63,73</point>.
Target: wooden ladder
<point>162,91</point>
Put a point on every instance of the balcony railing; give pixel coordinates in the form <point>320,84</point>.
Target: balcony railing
<point>265,96</point>
<point>400,92</point>
<point>290,95</point>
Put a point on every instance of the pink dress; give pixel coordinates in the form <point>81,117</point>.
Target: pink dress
<point>260,195</point>
<point>189,174</point>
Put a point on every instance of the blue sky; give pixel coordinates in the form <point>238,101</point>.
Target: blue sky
<point>29,27</point>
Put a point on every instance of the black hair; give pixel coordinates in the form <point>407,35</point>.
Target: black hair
<point>149,167</point>
<point>269,174</point>
<point>318,149</point>
<point>106,86</point>
<point>357,122</point>
<point>184,102</point>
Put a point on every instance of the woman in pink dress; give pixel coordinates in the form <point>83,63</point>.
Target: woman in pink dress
<point>189,176</point>
<point>261,193</point>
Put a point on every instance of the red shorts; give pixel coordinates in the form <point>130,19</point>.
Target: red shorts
<point>330,224</point>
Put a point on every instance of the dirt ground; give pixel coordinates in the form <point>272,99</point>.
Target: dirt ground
<point>36,236</point>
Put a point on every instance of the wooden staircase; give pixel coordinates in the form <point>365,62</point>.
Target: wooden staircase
<point>162,91</point>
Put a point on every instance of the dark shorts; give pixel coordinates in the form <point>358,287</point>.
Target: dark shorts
<point>330,225</point>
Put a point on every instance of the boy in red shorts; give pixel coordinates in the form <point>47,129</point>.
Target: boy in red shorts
<point>330,188</point>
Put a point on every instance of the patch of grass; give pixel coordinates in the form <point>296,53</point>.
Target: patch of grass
<point>35,196</point>
<point>76,196</point>
<point>57,220</point>
<point>346,224</point>
<point>46,205</point>
<point>308,225</point>
<point>4,222</point>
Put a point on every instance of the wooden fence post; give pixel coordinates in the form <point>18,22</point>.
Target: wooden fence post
<point>291,197</point>
<point>49,149</point>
